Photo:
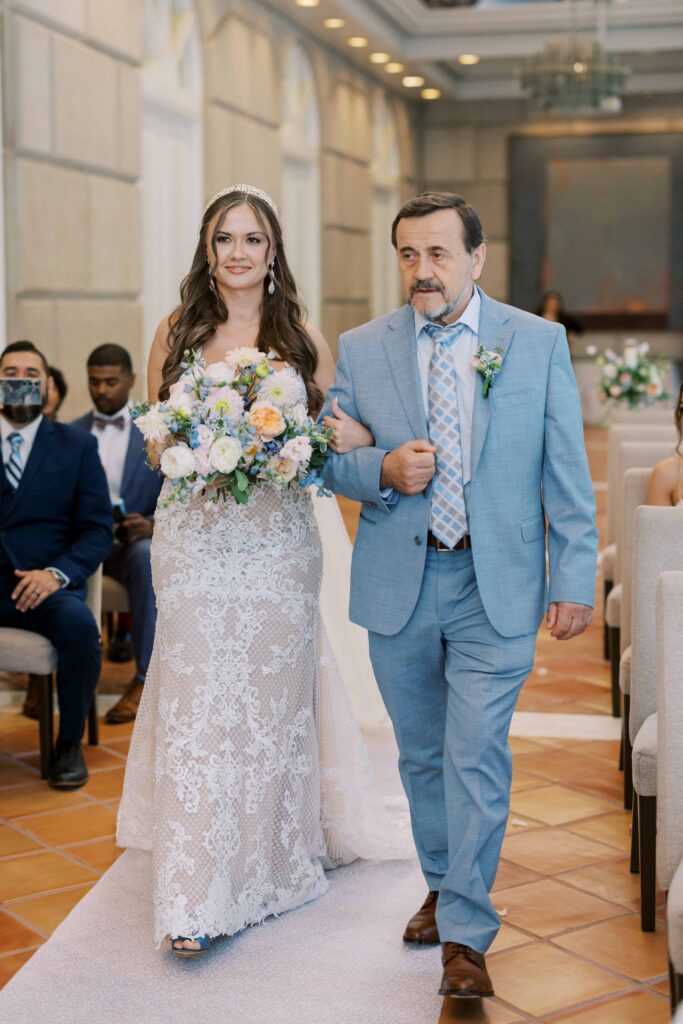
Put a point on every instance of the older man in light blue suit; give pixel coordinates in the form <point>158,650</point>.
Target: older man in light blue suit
<point>449,565</point>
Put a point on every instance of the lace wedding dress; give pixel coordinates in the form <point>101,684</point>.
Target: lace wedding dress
<point>247,775</point>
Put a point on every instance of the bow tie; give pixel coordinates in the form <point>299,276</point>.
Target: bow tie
<point>101,422</point>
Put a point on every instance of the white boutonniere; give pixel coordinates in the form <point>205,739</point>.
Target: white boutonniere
<point>488,364</point>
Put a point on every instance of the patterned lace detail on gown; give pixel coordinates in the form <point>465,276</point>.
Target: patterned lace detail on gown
<point>247,774</point>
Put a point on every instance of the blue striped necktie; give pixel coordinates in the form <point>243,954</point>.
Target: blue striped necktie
<point>15,467</point>
<point>448,517</point>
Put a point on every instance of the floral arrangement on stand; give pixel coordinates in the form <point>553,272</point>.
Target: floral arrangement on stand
<point>232,425</point>
<point>630,378</point>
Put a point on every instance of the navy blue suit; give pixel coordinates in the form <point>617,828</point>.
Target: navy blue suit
<point>60,516</point>
<point>130,564</point>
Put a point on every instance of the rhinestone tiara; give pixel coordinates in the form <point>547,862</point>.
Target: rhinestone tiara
<point>250,190</point>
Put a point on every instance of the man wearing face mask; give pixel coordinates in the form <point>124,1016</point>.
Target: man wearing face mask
<point>55,529</point>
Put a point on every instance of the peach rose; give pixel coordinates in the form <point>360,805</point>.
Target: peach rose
<point>266,420</point>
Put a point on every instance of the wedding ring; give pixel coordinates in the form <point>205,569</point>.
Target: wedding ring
<point>36,593</point>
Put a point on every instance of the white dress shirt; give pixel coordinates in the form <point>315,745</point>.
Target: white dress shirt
<point>113,446</point>
<point>462,351</point>
<point>27,432</point>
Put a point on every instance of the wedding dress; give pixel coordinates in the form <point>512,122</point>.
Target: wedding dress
<point>247,775</point>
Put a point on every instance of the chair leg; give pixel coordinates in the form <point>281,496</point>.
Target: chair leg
<point>614,659</point>
<point>621,744</point>
<point>628,757</point>
<point>93,724</point>
<point>635,859</point>
<point>45,722</point>
<point>647,844</point>
<point>605,634</point>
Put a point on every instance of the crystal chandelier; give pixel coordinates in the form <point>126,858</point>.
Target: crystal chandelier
<point>575,75</point>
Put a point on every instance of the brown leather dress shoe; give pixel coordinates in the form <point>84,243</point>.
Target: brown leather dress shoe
<point>464,972</point>
<point>30,708</point>
<point>126,708</point>
<point>422,926</point>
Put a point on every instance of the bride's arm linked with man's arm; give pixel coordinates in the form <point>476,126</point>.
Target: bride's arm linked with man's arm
<point>369,473</point>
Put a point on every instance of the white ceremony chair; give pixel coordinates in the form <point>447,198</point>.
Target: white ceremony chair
<point>657,547</point>
<point>670,766</point>
<point>24,651</point>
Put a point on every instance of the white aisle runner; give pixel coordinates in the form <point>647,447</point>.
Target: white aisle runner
<point>339,960</point>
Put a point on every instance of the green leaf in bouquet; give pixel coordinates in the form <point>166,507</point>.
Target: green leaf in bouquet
<point>242,480</point>
<point>241,497</point>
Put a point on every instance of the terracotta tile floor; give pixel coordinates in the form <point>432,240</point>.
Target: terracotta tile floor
<point>570,948</point>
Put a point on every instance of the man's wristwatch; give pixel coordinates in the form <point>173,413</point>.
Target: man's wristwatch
<point>61,577</point>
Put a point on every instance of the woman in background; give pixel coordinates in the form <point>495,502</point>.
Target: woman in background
<point>666,482</point>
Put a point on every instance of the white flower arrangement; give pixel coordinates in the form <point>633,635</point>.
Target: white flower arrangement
<point>227,427</point>
<point>488,365</point>
<point>630,378</point>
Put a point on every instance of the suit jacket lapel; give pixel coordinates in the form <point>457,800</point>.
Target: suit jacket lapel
<point>495,332</point>
<point>401,349</point>
<point>44,440</point>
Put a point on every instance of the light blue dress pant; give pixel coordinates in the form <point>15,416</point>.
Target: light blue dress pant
<point>450,683</point>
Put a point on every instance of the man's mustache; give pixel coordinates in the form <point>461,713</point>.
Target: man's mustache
<point>423,286</point>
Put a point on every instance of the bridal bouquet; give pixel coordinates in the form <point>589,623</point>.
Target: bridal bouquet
<point>630,378</point>
<point>227,426</point>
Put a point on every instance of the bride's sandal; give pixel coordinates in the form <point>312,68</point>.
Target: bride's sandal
<point>203,942</point>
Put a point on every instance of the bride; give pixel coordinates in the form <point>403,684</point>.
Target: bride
<point>247,775</point>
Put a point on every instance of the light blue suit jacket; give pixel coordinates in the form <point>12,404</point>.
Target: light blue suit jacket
<point>528,465</point>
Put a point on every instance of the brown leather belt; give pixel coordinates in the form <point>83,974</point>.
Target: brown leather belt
<point>463,544</point>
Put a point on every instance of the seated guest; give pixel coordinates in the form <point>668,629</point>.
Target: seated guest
<point>57,390</point>
<point>551,307</point>
<point>133,489</point>
<point>55,530</point>
<point>666,482</point>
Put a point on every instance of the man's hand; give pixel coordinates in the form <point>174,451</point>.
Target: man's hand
<point>409,468</point>
<point>565,620</point>
<point>34,586</point>
<point>137,527</point>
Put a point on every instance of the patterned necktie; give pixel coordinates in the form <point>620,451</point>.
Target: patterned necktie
<point>101,422</point>
<point>448,519</point>
<point>15,467</point>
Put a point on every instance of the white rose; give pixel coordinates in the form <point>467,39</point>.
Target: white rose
<point>644,348</point>
<point>610,371</point>
<point>182,401</point>
<point>152,425</point>
<point>631,358</point>
<point>225,454</point>
<point>591,350</point>
<point>611,355</point>
<point>178,462</point>
<point>298,414</point>
<point>219,373</point>
<point>299,449</point>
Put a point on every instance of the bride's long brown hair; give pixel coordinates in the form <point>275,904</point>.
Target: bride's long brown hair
<point>201,310</point>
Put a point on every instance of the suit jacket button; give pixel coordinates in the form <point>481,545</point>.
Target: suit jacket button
<point>418,541</point>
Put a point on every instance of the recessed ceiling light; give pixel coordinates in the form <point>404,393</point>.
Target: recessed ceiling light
<point>413,81</point>
<point>307,3</point>
<point>430,94</point>
<point>358,42</point>
<point>380,58</point>
<point>468,58</point>
<point>394,68</point>
<point>334,23</point>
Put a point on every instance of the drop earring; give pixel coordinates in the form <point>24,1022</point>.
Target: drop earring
<point>271,275</point>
